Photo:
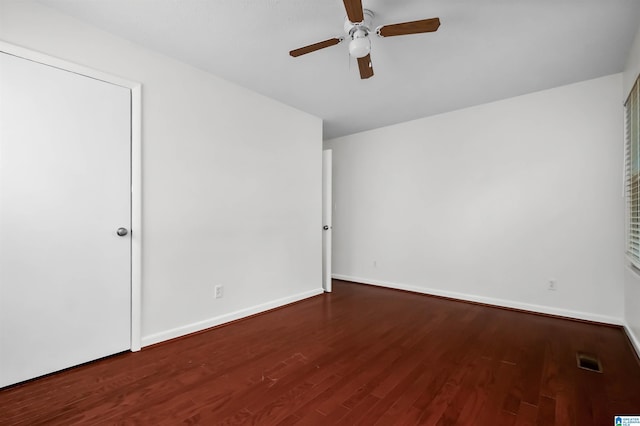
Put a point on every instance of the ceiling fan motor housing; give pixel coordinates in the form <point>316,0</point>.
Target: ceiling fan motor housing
<point>360,45</point>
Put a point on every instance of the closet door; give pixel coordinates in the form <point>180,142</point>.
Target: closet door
<point>65,214</point>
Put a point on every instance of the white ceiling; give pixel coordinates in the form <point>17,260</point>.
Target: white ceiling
<point>485,50</point>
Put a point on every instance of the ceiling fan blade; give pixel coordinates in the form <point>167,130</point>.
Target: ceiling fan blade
<point>354,10</point>
<point>366,68</point>
<point>405,28</point>
<point>316,46</point>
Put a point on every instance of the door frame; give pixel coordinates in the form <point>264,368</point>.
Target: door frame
<point>136,168</point>
<point>327,219</point>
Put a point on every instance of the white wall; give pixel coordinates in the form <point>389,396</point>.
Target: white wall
<point>489,203</point>
<point>632,277</point>
<point>231,180</point>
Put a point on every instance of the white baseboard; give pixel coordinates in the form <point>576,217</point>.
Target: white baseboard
<point>487,300</point>
<point>635,341</point>
<point>222,319</point>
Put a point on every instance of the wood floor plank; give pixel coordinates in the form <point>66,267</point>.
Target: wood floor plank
<point>497,391</point>
<point>289,420</point>
<point>546,412</point>
<point>527,415</point>
<point>359,410</point>
<point>464,406</point>
<point>360,355</point>
<point>411,382</point>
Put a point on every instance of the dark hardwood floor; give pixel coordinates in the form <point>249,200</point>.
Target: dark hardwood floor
<point>361,355</point>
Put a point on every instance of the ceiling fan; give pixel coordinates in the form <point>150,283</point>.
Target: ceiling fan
<point>357,26</point>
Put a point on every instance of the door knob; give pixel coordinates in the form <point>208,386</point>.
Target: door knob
<point>122,232</point>
<point>325,227</point>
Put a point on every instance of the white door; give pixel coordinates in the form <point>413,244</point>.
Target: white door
<point>327,202</point>
<point>65,189</point>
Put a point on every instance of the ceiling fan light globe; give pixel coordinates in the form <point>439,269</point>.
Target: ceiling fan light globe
<point>360,47</point>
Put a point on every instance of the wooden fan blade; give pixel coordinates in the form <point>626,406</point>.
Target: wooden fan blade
<point>413,27</point>
<point>366,68</point>
<point>354,10</point>
<point>313,47</point>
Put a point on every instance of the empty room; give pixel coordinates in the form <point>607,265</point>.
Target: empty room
<point>344,212</point>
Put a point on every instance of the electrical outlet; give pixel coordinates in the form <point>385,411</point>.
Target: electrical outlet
<point>553,285</point>
<point>219,291</point>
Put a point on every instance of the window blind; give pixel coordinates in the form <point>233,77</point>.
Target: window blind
<point>632,171</point>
